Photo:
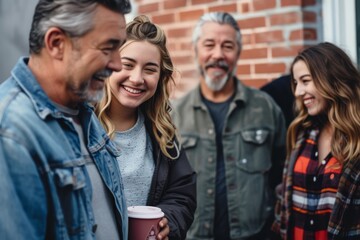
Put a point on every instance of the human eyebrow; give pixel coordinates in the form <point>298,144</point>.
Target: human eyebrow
<point>128,59</point>
<point>207,41</point>
<point>113,43</point>
<point>227,42</point>
<point>152,64</point>
<point>304,76</point>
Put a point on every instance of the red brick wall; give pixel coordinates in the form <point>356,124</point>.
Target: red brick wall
<point>273,32</point>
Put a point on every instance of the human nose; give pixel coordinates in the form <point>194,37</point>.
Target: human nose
<point>299,90</point>
<point>136,76</point>
<point>115,62</point>
<point>218,52</point>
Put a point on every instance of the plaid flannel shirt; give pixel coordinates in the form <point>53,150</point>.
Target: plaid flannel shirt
<point>314,190</point>
<point>284,203</point>
<point>344,220</point>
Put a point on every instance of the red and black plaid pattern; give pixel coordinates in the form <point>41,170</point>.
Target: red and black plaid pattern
<point>345,219</point>
<point>315,185</point>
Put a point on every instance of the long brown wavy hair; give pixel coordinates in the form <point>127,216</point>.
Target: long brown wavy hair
<point>338,82</point>
<point>157,108</point>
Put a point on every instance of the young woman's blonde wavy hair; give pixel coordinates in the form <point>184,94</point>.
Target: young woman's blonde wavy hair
<point>338,82</point>
<point>157,108</point>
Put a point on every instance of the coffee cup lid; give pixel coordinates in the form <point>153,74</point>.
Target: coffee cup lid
<point>144,212</point>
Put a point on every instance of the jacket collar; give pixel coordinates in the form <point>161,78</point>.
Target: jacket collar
<point>44,107</point>
<point>241,95</point>
<point>28,83</point>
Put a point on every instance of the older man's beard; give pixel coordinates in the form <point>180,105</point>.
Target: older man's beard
<point>218,84</point>
<point>211,81</point>
<point>95,96</point>
<point>87,94</point>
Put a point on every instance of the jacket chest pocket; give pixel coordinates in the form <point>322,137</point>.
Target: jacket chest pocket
<point>255,154</point>
<point>72,199</point>
<point>193,151</point>
<point>188,142</point>
<point>74,178</point>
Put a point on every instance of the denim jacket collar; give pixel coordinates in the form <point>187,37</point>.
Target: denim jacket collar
<point>44,106</point>
<point>32,88</point>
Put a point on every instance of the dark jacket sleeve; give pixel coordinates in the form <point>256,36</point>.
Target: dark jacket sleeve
<point>177,199</point>
<point>344,221</point>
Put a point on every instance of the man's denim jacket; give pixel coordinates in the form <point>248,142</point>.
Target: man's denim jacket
<point>45,190</point>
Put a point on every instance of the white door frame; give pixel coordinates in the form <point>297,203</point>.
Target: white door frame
<point>339,25</point>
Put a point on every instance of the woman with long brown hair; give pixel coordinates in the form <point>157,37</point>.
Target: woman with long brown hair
<point>320,195</point>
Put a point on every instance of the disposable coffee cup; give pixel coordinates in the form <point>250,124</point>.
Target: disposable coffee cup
<point>144,222</point>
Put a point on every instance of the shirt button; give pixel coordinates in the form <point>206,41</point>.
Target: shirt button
<point>210,160</point>
<point>311,222</point>
<point>323,162</point>
<point>207,225</point>
<point>244,160</point>
<point>316,154</point>
<point>314,179</point>
<point>210,191</point>
<point>211,131</point>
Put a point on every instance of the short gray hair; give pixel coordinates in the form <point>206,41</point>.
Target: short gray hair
<point>217,17</point>
<point>74,17</point>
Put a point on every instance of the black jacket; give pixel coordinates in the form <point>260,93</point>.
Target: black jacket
<point>173,189</point>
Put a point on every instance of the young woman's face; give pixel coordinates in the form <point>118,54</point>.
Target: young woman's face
<point>306,91</point>
<point>138,79</point>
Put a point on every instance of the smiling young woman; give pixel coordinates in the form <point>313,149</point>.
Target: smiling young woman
<point>135,113</point>
<point>320,197</point>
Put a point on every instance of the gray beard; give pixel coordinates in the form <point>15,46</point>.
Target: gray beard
<point>95,96</point>
<point>219,84</point>
<point>216,85</point>
<point>85,94</point>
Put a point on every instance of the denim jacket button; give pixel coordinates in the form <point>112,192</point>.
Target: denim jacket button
<point>94,227</point>
<point>207,225</point>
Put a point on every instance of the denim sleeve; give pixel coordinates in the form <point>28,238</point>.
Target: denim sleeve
<point>22,196</point>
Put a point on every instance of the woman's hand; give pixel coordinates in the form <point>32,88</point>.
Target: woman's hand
<point>164,229</point>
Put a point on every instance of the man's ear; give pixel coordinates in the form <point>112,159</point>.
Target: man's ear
<point>55,40</point>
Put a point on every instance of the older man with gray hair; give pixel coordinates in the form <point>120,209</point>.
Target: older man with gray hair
<point>234,137</point>
<point>59,178</point>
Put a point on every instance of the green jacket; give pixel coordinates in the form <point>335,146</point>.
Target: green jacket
<point>254,153</point>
